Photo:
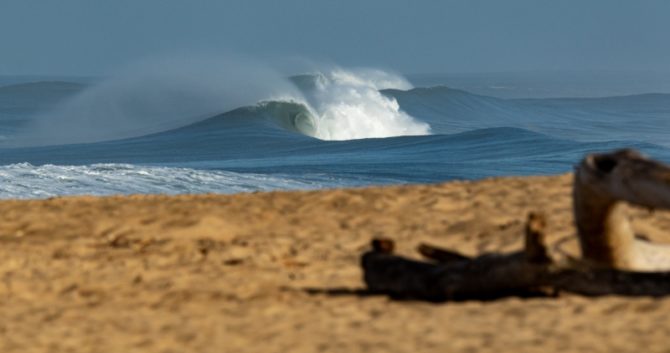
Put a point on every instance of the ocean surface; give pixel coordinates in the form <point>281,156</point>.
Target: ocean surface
<point>194,131</point>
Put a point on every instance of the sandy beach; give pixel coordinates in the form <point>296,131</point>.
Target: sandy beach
<point>279,272</point>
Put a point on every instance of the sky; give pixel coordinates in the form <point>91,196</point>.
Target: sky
<point>96,37</point>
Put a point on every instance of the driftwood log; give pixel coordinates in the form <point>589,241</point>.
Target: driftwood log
<point>613,261</point>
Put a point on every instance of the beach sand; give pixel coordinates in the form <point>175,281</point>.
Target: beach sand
<point>278,272</point>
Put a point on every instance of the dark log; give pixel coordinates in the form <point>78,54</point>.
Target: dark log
<point>530,272</point>
<point>496,276</point>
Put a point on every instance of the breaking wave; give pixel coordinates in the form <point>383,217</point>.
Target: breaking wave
<point>24,180</point>
<point>336,104</point>
<point>193,131</point>
<point>347,105</point>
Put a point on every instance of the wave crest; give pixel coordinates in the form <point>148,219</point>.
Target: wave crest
<point>346,105</point>
<point>157,97</point>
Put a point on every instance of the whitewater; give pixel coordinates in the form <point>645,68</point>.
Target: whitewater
<point>174,128</point>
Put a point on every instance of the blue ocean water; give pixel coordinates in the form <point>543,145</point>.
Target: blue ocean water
<point>197,133</point>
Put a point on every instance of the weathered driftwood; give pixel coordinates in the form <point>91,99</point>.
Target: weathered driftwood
<point>613,260</point>
<point>603,184</point>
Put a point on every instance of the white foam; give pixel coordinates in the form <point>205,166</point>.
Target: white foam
<point>347,105</point>
<point>24,180</point>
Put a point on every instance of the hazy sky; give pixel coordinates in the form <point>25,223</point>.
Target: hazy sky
<point>413,36</point>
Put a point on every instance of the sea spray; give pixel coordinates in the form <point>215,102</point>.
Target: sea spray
<point>156,96</point>
<point>347,105</point>
<point>167,94</point>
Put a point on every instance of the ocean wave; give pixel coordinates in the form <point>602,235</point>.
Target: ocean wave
<point>24,180</point>
<point>337,104</point>
<point>275,138</point>
<point>643,117</point>
<point>345,105</point>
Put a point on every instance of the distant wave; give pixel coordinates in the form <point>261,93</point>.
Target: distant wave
<point>643,117</point>
<point>334,104</point>
<point>21,101</point>
<point>337,104</point>
<point>31,89</point>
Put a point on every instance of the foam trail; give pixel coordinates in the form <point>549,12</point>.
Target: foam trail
<point>156,96</point>
<point>347,105</point>
<point>24,180</point>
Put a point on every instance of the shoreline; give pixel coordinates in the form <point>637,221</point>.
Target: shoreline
<point>278,271</point>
